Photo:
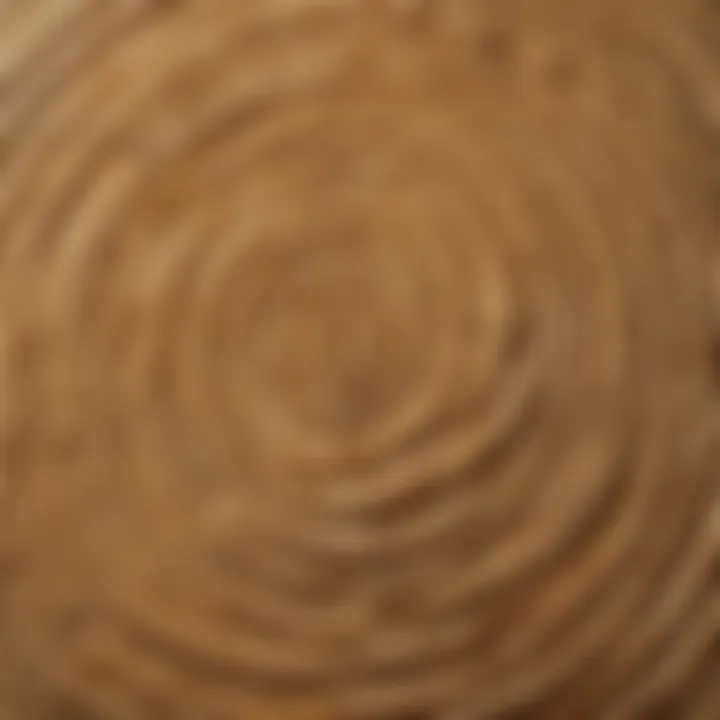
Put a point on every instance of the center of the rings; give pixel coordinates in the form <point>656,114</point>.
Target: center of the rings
<point>332,337</point>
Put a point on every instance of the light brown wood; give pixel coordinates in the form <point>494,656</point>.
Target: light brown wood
<point>360,359</point>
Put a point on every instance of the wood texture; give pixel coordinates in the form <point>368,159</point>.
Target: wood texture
<point>359,359</point>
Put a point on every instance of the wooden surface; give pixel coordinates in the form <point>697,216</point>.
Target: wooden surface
<point>359,360</point>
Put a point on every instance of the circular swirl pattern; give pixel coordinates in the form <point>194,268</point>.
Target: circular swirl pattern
<point>360,359</point>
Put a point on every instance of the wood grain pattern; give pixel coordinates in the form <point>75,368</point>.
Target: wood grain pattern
<point>359,359</point>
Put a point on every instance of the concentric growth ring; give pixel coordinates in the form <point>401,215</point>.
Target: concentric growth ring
<point>359,360</point>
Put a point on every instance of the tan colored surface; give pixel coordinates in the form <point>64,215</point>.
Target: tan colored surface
<point>359,359</point>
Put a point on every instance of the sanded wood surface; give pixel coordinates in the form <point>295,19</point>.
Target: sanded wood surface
<point>359,359</point>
